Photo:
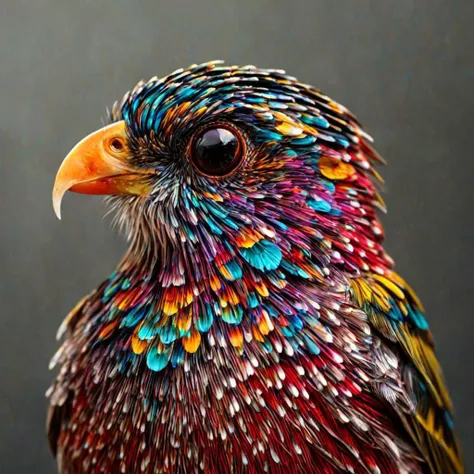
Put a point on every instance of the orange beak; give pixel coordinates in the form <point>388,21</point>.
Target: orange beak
<point>100,164</point>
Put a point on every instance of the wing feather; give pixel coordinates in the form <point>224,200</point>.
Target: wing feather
<point>396,313</point>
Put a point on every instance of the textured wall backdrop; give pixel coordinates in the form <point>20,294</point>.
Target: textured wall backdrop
<point>405,67</point>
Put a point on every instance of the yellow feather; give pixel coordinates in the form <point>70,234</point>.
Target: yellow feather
<point>236,336</point>
<point>390,286</point>
<point>138,346</point>
<point>335,169</point>
<point>191,343</point>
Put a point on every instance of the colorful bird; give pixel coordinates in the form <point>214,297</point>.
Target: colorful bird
<point>255,323</point>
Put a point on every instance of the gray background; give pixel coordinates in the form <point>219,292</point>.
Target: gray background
<point>405,67</point>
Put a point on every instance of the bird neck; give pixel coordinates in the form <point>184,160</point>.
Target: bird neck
<point>175,299</point>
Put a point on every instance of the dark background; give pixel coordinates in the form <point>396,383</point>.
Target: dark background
<point>405,67</point>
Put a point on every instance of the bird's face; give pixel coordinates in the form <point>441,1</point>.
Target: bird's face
<point>226,160</point>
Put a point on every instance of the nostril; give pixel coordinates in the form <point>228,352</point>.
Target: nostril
<point>117,145</point>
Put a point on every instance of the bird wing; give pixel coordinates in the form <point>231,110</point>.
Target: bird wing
<point>396,314</point>
<point>59,412</point>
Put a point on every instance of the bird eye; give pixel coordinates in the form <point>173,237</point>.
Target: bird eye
<point>217,150</point>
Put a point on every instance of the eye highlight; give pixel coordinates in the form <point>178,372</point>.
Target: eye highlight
<point>217,150</point>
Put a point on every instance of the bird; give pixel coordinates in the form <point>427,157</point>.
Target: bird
<point>255,322</point>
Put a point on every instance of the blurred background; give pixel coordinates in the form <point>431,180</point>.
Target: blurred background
<point>405,67</point>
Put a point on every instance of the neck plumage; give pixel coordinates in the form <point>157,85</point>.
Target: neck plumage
<point>186,284</point>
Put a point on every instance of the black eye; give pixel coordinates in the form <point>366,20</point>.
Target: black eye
<point>217,150</point>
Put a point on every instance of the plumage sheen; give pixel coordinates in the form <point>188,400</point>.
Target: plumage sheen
<point>256,323</point>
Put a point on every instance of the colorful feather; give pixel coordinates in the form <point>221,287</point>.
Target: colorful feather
<point>256,323</point>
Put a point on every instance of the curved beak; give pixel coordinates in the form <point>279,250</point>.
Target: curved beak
<point>100,164</point>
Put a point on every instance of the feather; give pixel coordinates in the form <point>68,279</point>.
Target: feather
<point>255,323</point>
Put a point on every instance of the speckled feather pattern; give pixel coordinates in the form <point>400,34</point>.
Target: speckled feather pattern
<point>255,323</point>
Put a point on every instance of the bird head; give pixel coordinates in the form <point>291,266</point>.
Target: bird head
<point>217,163</point>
